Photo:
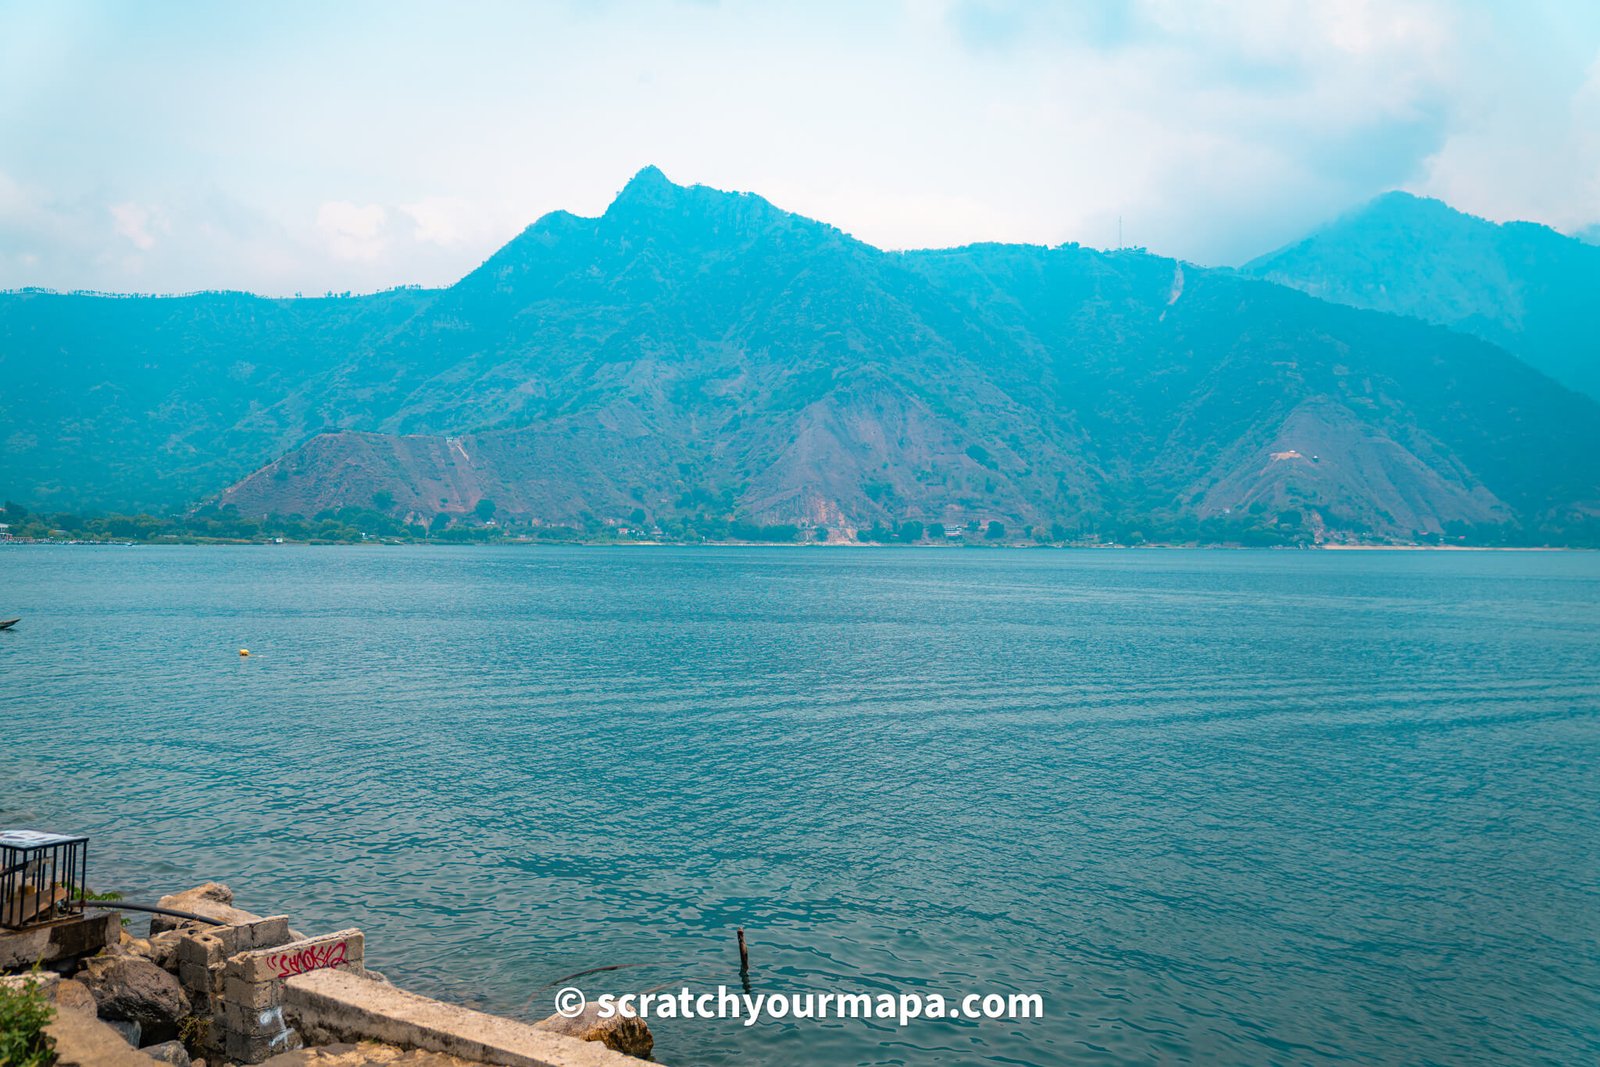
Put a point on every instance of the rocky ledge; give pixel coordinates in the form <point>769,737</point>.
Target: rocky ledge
<point>242,988</point>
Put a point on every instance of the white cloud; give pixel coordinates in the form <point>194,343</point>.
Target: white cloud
<point>448,220</point>
<point>354,231</point>
<point>896,219</point>
<point>1215,130</point>
<point>14,201</point>
<point>1507,164</point>
<point>135,222</point>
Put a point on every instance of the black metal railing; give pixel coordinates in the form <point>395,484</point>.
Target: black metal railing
<point>42,877</point>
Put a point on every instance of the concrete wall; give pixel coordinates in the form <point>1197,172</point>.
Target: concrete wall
<point>59,940</point>
<point>339,1006</point>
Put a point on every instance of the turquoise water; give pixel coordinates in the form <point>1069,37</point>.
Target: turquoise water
<point>1245,807</point>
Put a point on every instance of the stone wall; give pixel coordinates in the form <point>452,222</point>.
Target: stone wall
<point>233,976</point>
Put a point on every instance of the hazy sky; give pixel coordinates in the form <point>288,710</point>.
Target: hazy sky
<point>280,147</point>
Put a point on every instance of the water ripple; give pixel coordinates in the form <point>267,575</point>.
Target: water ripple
<point>1256,807</point>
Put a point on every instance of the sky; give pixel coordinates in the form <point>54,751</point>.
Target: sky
<point>308,147</point>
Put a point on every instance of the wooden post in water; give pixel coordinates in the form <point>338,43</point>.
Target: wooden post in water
<point>744,954</point>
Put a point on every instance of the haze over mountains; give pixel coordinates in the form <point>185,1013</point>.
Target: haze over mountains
<point>1521,285</point>
<point>695,353</point>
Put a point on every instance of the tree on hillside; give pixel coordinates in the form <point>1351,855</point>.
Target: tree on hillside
<point>484,509</point>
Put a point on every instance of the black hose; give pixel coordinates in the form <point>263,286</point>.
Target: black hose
<point>120,905</point>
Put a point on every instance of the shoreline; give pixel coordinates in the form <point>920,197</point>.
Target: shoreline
<point>538,543</point>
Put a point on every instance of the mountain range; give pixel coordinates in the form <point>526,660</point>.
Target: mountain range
<point>695,354</point>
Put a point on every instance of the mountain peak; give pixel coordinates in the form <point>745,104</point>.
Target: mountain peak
<point>649,186</point>
<point>1400,196</point>
<point>649,174</point>
<point>654,204</point>
<point>1399,204</point>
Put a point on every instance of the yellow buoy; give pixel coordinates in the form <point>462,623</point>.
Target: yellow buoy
<point>244,652</point>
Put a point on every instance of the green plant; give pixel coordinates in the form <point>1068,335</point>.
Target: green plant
<point>109,897</point>
<point>90,894</point>
<point>24,1013</point>
<point>194,1031</point>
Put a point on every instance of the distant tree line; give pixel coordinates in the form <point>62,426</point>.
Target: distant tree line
<point>1254,528</point>
<point>206,524</point>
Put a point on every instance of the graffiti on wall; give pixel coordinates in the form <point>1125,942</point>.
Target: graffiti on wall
<point>310,958</point>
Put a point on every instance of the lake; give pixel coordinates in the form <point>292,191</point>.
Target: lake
<point>1247,807</point>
